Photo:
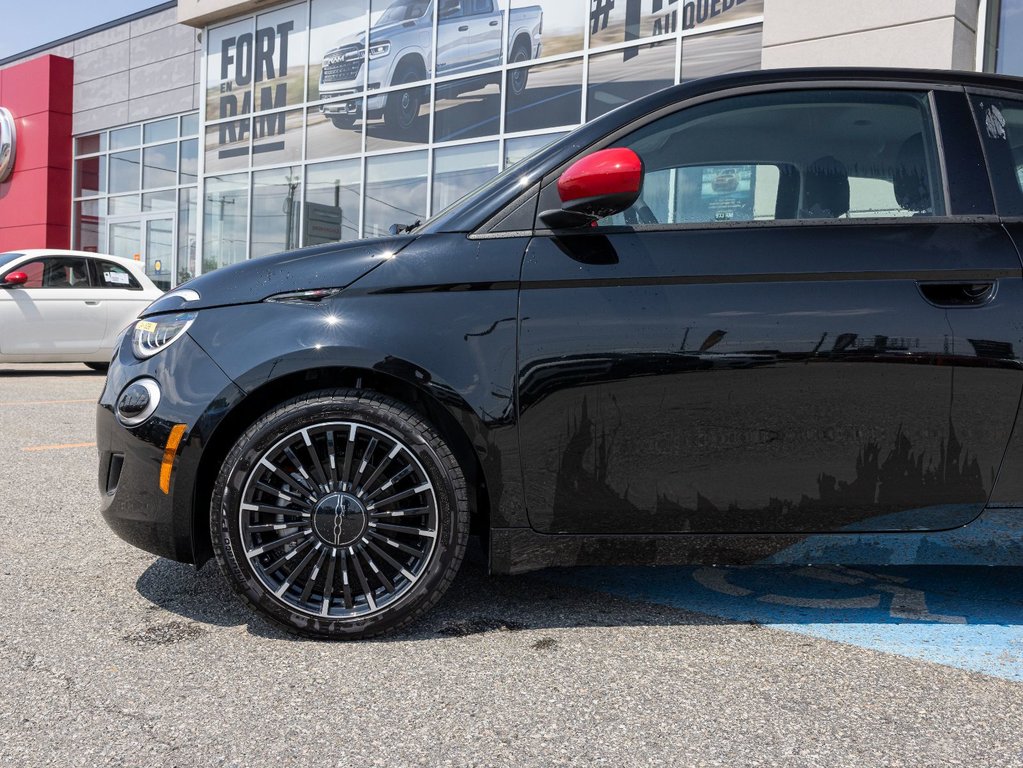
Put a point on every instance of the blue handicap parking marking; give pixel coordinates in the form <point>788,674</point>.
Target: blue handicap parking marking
<point>970,617</point>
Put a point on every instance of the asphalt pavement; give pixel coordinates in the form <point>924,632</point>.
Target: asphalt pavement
<point>110,656</point>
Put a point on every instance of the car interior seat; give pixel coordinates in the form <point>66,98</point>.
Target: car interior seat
<point>825,189</point>
<point>912,190</point>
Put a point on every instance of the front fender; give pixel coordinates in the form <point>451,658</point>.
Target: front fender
<point>453,341</point>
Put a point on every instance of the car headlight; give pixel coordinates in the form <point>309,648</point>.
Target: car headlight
<point>156,334</point>
<point>379,49</point>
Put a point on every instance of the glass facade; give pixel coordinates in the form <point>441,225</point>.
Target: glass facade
<point>328,120</point>
<point>1007,55</point>
<point>135,195</point>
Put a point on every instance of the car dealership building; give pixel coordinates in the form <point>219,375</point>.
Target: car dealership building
<point>197,135</point>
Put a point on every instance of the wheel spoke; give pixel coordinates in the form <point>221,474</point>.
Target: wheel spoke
<point>381,577</point>
<point>346,586</point>
<point>317,466</point>
<point>275,544</point>
<point>404,529</point>
<point>390,560</point>
<point>271,527</point>
<point>383,464</point>
<point>346,472</point>
<point>366,456</point>
<point>399,496</point>
<point>272,568</point>
<point>311,581</point>
<point>287,498</point>
<point>287,479</point>
<point>413,512</point>
<point>396,544</point>
<point>393,481</point>
<point>362,579</point>
<point>332,458</point>
<point>265,510</point>
<point>328,586</point>
<point>296,572</point>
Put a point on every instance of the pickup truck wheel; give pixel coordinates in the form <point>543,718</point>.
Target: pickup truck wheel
<point>343,121</point>
<point>519,77</point>
<point>402,110</point>
<point>340,514</point>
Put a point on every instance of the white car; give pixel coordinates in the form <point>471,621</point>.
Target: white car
<point>68,306</point>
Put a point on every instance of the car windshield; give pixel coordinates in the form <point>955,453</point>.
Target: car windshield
<point>403,10</point>
<point>8,257</point>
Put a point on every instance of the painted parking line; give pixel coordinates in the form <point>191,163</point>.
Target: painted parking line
<point>60,447</point>
<point>967,617</point>
<point>46,402</point>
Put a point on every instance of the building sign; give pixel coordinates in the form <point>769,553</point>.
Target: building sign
<point>254,72</point>
<point>616,21</point>
<point>8,143</point>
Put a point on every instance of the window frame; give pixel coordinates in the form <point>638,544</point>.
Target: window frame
<point>548,185</point>
<point>1006,190</point>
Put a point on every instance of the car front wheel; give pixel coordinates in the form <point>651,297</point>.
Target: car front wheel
<point>340,514</point>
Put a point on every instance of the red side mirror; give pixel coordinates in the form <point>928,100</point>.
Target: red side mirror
<point>15,278</point>
<point>598,185</point>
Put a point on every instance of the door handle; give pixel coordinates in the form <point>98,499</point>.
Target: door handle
<point>464,28</point>
<point>964,293</point>
<point>494,23</point>
<point>91,303</point>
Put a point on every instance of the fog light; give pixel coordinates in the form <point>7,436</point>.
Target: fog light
<point>138,402</point>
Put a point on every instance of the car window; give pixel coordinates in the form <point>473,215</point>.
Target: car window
<point>115,276</point>
<point>1001,125</point>
<point>479,6</point>
<point>797,155</point>
<point>450,9</point>
<point>55,272</point>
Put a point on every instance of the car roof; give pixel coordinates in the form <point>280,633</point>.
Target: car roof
<point>38,252</point>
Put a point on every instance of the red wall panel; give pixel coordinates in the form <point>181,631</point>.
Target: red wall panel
<point>35,202</point>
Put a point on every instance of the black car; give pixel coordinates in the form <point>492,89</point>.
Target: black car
<point>608,355</point>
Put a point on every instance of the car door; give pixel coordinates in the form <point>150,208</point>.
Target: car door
<point>484,22</point>
<point>122,294</point>
<point>998,344</point>
<point>763,342</point>
<point>56,315</point>
<point>452,37</point>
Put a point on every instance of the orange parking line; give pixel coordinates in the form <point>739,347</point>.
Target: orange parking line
<point>36,448</point>
<point>46,402</point>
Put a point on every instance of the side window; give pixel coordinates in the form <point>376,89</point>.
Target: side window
<point>56,272</point>
<point>451,9</point>
<point>115,276</point>
<point>34,270</point>
<point>480,6</point>
<point>1001,125</point>
<point>796,155</point>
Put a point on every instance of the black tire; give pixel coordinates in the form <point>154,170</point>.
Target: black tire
<point>343,121</point>
<point>518,78</point>
<point>402,109</point>
<point>281,550</point>
<point>101,367</point>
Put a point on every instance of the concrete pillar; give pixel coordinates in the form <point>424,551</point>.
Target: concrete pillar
<point>927,34</point>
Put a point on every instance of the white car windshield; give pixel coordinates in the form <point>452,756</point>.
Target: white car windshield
<point>8,257</point>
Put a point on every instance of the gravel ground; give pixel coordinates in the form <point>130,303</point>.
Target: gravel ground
<point>109,656</point>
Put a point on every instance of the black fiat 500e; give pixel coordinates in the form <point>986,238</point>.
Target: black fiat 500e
<point>766,317</point>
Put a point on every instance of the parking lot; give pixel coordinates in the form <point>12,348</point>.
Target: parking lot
<point>109,656</point>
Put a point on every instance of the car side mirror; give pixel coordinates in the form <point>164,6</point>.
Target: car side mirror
<point>14,279</point>
<point>598,185</point>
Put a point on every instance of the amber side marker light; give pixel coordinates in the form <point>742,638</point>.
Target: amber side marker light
<point>169,452</point>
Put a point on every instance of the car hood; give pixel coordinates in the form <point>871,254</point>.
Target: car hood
<point>324,266</point>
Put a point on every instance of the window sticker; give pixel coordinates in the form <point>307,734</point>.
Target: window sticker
<point>116,278</point>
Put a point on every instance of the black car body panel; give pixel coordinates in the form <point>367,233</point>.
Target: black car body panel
<point>804,391</point>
